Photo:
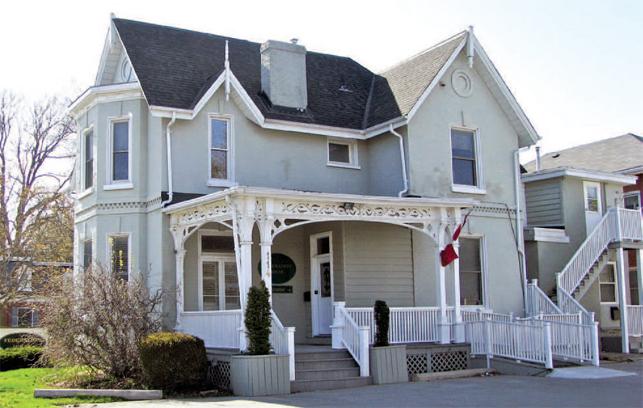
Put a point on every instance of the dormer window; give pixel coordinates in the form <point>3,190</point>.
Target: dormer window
<point>119,163</point>
<point>342,153</point>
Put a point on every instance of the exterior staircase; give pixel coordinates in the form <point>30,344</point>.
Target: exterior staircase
<point>322,368</point>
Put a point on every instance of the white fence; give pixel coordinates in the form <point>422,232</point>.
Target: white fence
<point>282,340</point>
<point>574,341</point>
<point>538,301</point>
<point>630,224</point>
<point>354,337</point>
<point>635,320</point>
<point>569,305</point>
<point>218,329</point>
<point>525,340</point>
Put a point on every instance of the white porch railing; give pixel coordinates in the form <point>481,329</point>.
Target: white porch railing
<point>538,301</point>
<point>218,329</point>
<point>282,340</point>
<point>524,340</point>
<point>575,341</point>
<point>635,320</point>
<point>352,336</point>
<point>631,224</point>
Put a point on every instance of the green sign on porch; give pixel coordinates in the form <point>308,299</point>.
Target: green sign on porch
<point>283,268</point>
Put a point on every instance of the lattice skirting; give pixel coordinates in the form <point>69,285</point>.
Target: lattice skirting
<point>427,361</point>
<point>219,374</point>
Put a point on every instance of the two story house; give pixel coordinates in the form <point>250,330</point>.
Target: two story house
<point>208,163</point>
<point>584,222</point>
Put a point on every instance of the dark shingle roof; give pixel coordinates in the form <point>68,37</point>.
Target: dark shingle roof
<point>176,67</point>
<point>613,155</point>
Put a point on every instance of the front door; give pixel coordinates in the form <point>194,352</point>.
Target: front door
<point>321,284</point>
<point>593,204</point>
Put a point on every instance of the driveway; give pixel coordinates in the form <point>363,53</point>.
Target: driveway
<point>497,391</point>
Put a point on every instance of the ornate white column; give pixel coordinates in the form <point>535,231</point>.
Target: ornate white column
<point>242,228</point>
<point>444,334</point>
<point>266,225</point>
<point>457,321</point>
<point>179,234</point>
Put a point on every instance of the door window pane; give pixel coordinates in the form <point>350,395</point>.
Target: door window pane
<point>470,272</point>
<point>231,287</point>
<point>120,256</point>
<point>339,153</point>
<point>591,198</point>
<point>325,283</point>
<point>463,157</point>
<point>210,285</point>
<point>120,151</point>
<point>323,245</point>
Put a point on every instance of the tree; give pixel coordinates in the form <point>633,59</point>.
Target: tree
<point>382,312</point>
<point>258,320</point>
<point>36,218</point>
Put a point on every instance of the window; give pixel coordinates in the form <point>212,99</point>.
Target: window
<point>24,317</point>
<point>634,287</point>
<point>470,271</point>
<point>89,160</point>
<point>591,198</point>
<point>120,151</point>
<point>219,149</point>
<point>87,254</point>
<point>632,200</point>
<point>463,157</point>
<point>607,283</point>
<point>323,245</point>
<point>342,153</point>
<point>219,284</point>
<point>119,255</point>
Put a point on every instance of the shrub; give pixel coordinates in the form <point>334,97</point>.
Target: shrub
<point>99,323</point>
<point>21,340</point>
<point>381,312</point>
<point>258,320</point>
<point>19,357</point>
<point>173,361</point>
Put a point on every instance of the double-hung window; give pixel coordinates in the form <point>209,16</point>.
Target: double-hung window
<point>465,164</point>
<point>607,282</point>
<point>88,162</point>
<point>218,286</point>
<point>342,153</point>
<point>471,274</point>
<point>632,200</point>
<point>219,150</point>
<point>119,255</point>
<point>119,160</point>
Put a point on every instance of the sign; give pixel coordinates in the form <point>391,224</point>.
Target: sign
<point>283,269</point>
<point>281,289</point>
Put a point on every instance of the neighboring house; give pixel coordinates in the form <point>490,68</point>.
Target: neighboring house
<point>210,163</point>
<point>569,195</point>
<point>26,311</point>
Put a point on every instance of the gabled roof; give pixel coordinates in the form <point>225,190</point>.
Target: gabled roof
<point>613,155</point>
<point>178,70</point>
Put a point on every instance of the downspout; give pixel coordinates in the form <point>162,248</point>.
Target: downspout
<point>168,143</point>
<point>520,245</point>
<point>403,158</point>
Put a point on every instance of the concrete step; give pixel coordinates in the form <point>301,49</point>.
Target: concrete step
<point>321,355</point>
<point>319,340</point>
<point>324,364</point>
<point>327,374</point>
<point>319,385</point>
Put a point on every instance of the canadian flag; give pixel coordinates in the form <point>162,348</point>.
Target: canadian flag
<point>448,254</point>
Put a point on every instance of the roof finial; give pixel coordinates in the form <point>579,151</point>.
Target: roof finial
<point>112,15</point>
<point>470,46</point>
<point>227,73</point>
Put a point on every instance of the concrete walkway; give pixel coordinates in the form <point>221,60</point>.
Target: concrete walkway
<point>498,391</point>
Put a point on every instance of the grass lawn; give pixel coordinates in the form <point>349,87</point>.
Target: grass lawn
<point>17,386</point>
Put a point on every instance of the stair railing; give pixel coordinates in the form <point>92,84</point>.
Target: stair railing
<point>282,340</point>
<point>346,333</point>
<point>538,302</point>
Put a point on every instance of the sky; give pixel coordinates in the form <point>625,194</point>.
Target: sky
<point>574,66</point>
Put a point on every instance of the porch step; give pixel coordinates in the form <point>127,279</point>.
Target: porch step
<point>320,385</point>
<point>323,368</point>
<point>319,340</point>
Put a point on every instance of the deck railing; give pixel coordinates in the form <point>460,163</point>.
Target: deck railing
<point>218,329</point>
<point>524,340</point>
<point>282,340</point>
<point>631,224</point>
<point>635,320</point>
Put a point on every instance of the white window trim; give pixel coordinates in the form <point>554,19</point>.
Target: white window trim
<point>212,257</point>
<point>110,183</point>
<point>483,267</point>
<point>29,309</point>
<point>84,192</point>
<point>228,182</point>
<point>479,188</point>
<point>129,251</point>
<point>599,196</point>
<point>353,154</point>
<point>633,194</point>
<point>614,284</point>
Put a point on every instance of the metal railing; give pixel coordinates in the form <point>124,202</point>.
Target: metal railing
<point>282,340</point>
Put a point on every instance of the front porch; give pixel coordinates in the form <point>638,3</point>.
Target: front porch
<point>328,249</point>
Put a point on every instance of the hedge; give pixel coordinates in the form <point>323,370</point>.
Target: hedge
<point>173,361</point>
<point>19,357</point>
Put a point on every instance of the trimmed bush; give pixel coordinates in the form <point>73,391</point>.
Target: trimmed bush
<point>258,320</point>
<point>173,361</point>
<point>19,357</point>
<point>21,340</point>
<point>382,313</point>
